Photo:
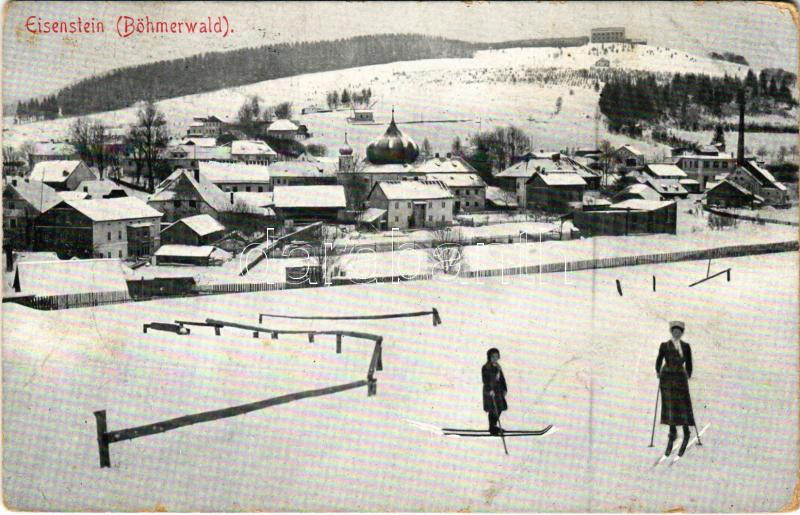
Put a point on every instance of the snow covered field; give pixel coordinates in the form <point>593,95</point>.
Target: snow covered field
<point>576,355</point>
<point>479,90</point>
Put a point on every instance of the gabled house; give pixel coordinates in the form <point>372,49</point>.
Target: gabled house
<point>253,152</point>
<point>761,182</point>
<point>517,176</point>
<point>23,201</point>
<point>629,156</point>
<point>62,175</point>
<point>100,189</point>
<point>204,126</point>
<point>192,230</point>
<point>283,129</point>
<point>237,176</point>
<point>112,228</point>
<point>309,203</point>
<point>186,193</point>
<point>302,173</point>
<point>51,151</point>
<point>730,194</point>
<point>555,191</point>
<point>668,189</point>
<point>413,203</point>
<point>468,189</point>
<point>704,167</point>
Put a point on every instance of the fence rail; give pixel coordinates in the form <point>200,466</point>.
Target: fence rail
<point>758,219</point>
<point>96,299</point>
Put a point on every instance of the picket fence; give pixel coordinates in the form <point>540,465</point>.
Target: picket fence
<point>96,299</point>
<point>757,219</point>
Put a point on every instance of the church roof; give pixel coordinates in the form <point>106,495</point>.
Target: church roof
<point>393,147</point>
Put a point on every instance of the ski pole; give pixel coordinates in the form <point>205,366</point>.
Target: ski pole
<point>497,413</point>
<point>655,412</point>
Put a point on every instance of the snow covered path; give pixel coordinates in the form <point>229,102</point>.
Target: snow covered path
<point>576,355</point>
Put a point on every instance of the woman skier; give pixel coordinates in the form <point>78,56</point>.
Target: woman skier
<point>494,390</point>
<point>676,405</point>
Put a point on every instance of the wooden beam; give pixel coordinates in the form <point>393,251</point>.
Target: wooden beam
<point>704,279</point>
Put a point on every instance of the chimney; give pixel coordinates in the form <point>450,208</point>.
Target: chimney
<point>197,174</point>
<point>740,147</point>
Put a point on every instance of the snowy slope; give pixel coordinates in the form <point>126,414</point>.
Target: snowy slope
<point>576,355</point>
<point>479,90</point>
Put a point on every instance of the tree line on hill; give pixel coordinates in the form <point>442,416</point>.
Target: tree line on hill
<point>211,71</point>
<point>633,101</point>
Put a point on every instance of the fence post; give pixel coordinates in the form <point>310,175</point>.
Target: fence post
<point>338,344</point>
<point>102,438</point>
<point>379,345</point>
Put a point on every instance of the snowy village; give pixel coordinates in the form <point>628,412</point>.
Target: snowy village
<point>264,279</point>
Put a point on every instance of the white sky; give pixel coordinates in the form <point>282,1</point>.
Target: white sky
<point>39,64</point>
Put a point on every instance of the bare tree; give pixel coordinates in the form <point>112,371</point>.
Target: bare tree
<point>148,136</point>
<point>283,111</point>
<point>356,185</point>
<point>447,251</point>
<point>249,114</point>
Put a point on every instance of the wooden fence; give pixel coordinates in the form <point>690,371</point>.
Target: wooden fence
<point>75,300</point>
<point>105,437</point>
<point>756,219</point>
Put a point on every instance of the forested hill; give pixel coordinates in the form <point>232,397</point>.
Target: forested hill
<point>216,70</point>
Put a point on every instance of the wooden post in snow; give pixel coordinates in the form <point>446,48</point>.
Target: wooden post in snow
<point>102,438</point>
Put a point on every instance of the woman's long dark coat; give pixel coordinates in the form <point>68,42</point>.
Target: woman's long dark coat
<point>494,380</point>
<point>676,404</point>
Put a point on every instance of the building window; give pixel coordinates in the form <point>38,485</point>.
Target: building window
<point>235,189</point>
<point>120,253</point>
<point>430,205</point>
<point>409,205</point>
<point>13,222</point>
<point>109,238</point>
<point>247,188</point>
<point>443,204</point>
<point>177,203</point>
<point>442,218</point>
<point>724,164</point>
<point>397,205</point>
<point>192,203</point>
<point>430,218</point>
<point>396,218</point>
<point>260,189</point>
<point>119,235</point>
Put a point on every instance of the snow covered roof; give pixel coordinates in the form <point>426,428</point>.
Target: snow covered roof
<point>413,190</point>
<point>255,199</point>
<point>738,187</point>
<point>641,205</point>
<point>36,193</point>
<point>763,175</point>
<point>371,215</point>
<point>99,188</point>
<point>500,197</point>
<point>301,169</point>
<point>109,209</point>
<point>665,170</point>
<point>206,190</point>
<point>218,153</point>
<point>446,165</point>
<point>185,250</point>
<point>200,142</point>
<point>218,172</point>
<point>688,182</point>
<point>642,191</point>
<point>457,180</point>
<point>70,277</point>
<point>202,225</point>
<point>666,186</point>
<point>328,196</point>
<point>251,147</point>
<point>53,148</point>
<point>54,171</point>
<point>282,125</point>
<point>633,150</point>
<point>541,162</point>
<point>562,179</point>
<point>373,169</point>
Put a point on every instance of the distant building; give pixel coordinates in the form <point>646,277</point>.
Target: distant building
<point>112,228</point>
<point>629,156</point>
<point>283,129</point>
<point>730,194</point>
<point>555,191</point>
<point>460,177</point>
<point>413,204</point>
<point>602,63</point>
<point>517,176</point>
<point>639,191</point>
<point>664,171</point>
<point>192,230</point>
<point>628,217</point>
<point>100,189</point>
<point>309,203</point>
<point>199,141</point>
<point>704,167</point>
<point>667,189</point>
<point>204,126</point>
<point>362,116</point>
<point>254,152</point>
<point>23,201</point>
<point>186,193</point>
<point>302,173</point>
<point>236,176</point>
<point>51,151</point>
<point>608,35</point>
<point>62,175</point>
<point>203,255</point>
<point>761,182</point>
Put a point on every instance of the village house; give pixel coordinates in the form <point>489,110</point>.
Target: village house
<point>468,189</point>
<point>500,199</point>
<point>703,167</point>
<point>253,152</point>
<point>186,193</point>
<point>667,189</point>
<point>203,126</point>
<point>192,230</point>
<point>301,173</point>
<point>204,255</point>
<point>112,228</point>
<point>100,189</point>
<point>759,181</point>
<point>629,156</point>
<point>640,191</point>
<point>309,203</point>
<point>632,216</point>
<point>412,204</point>
<point>197,141</point>
<point>23,201</point>
<point>555,191</point>
<point>283,129</point>
<point>517,176</point>
<point>236,176</point>
<point>730,194</point>
<point>608,35</point>
<point>51,151</point>
<point>62,175</point>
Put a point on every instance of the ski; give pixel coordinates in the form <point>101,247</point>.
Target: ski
<point>485,433</point>
<point>506,431</point>
<point>689,446</point>
<point>660,460</point>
